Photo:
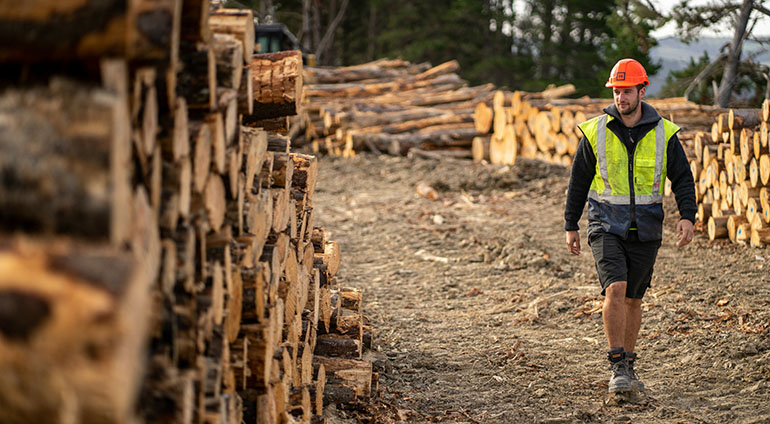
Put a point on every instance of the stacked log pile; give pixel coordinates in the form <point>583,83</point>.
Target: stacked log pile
<point>389,106</point>
<point>535,126</point>
<point>732,175</point>
<point>398,107</point>
<point>158,257</point>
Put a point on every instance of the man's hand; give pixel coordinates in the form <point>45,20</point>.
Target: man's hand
<point>573,242</point>
<point>685,232</point>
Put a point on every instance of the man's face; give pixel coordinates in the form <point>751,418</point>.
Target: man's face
<point>627,99</point>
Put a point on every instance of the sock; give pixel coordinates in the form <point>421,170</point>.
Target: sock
<point>615,355</point>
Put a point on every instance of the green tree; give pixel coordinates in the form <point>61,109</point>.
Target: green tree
<point>522,45</point>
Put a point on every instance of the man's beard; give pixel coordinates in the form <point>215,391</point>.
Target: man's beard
<point>631,109</point>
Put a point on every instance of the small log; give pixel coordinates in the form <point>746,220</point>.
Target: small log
<point>717,227</point>
<point>238,23</point>
<point>305,173</point>
<point>197,82</point>
<point>480,149</point>
<point>760,237</point>
<point>195,21</point>
<point>201,148</point>
<point>482,118</point>
<point>246,92</point>
<point>176,143</point>
<point>277,84</point>
<point>278,125</point>
<point>341,373</point>
<point>764,169</point>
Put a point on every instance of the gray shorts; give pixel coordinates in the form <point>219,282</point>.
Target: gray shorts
<point>628,260</point>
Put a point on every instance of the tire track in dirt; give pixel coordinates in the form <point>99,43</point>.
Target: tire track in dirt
<point>480,314</point>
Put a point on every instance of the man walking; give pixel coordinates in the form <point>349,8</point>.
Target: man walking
<point>620,166</point>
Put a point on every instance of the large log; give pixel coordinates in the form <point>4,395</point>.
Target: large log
<point>406,140</point>
<point>44,30</point>
<point>73,325</point>
<point>379,69</point>
<point>448,81</point>
<point>277,84</point>
<point>84,188</point>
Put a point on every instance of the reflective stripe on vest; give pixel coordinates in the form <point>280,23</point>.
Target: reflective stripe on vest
<point>606,195</point>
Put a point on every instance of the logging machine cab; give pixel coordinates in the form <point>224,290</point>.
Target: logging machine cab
<point>272,38</point>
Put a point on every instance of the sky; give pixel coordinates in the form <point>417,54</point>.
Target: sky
<point>762,27</point>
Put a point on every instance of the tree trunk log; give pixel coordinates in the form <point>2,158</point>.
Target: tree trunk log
<point>238,23</point>
<point>277,84</point>
<point>88,179</point>
<point>73,369</point>
<point>43,30</point>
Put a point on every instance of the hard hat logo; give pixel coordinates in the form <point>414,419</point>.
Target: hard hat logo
<point>627,73</point>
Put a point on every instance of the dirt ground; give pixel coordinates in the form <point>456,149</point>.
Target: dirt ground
<point>481,315</point>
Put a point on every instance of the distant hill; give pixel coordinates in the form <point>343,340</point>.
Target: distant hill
<point>675,55</point>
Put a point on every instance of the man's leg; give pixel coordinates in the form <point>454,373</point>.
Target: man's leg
<point>614,314</point>
<point>633,322</point>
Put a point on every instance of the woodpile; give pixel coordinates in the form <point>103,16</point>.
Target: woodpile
<point>159,260</point>
<point>388,106</point>
<point>538,126</point>
<point>401,108</point>
<point>731,168</point>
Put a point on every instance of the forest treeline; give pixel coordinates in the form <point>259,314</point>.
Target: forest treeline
<point>519,44</point>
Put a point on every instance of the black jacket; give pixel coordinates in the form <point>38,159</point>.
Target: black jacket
<point>584,168</point>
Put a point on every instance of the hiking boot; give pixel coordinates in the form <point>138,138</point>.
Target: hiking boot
<point>620,380</point>
<point>636,385</point>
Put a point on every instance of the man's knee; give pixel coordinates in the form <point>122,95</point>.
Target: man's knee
<point>616,290</point>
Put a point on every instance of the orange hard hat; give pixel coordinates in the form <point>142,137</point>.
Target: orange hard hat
<point>627,73</point>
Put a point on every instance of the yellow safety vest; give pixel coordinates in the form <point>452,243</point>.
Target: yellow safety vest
<point>611,183</point>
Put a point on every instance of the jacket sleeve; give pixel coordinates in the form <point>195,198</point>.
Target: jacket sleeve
<point>682,184</point>
<point>583,170</point>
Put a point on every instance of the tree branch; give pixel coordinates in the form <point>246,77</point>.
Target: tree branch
<point>761,9</point>
<point>329,35</point>
<point>705,73</point>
